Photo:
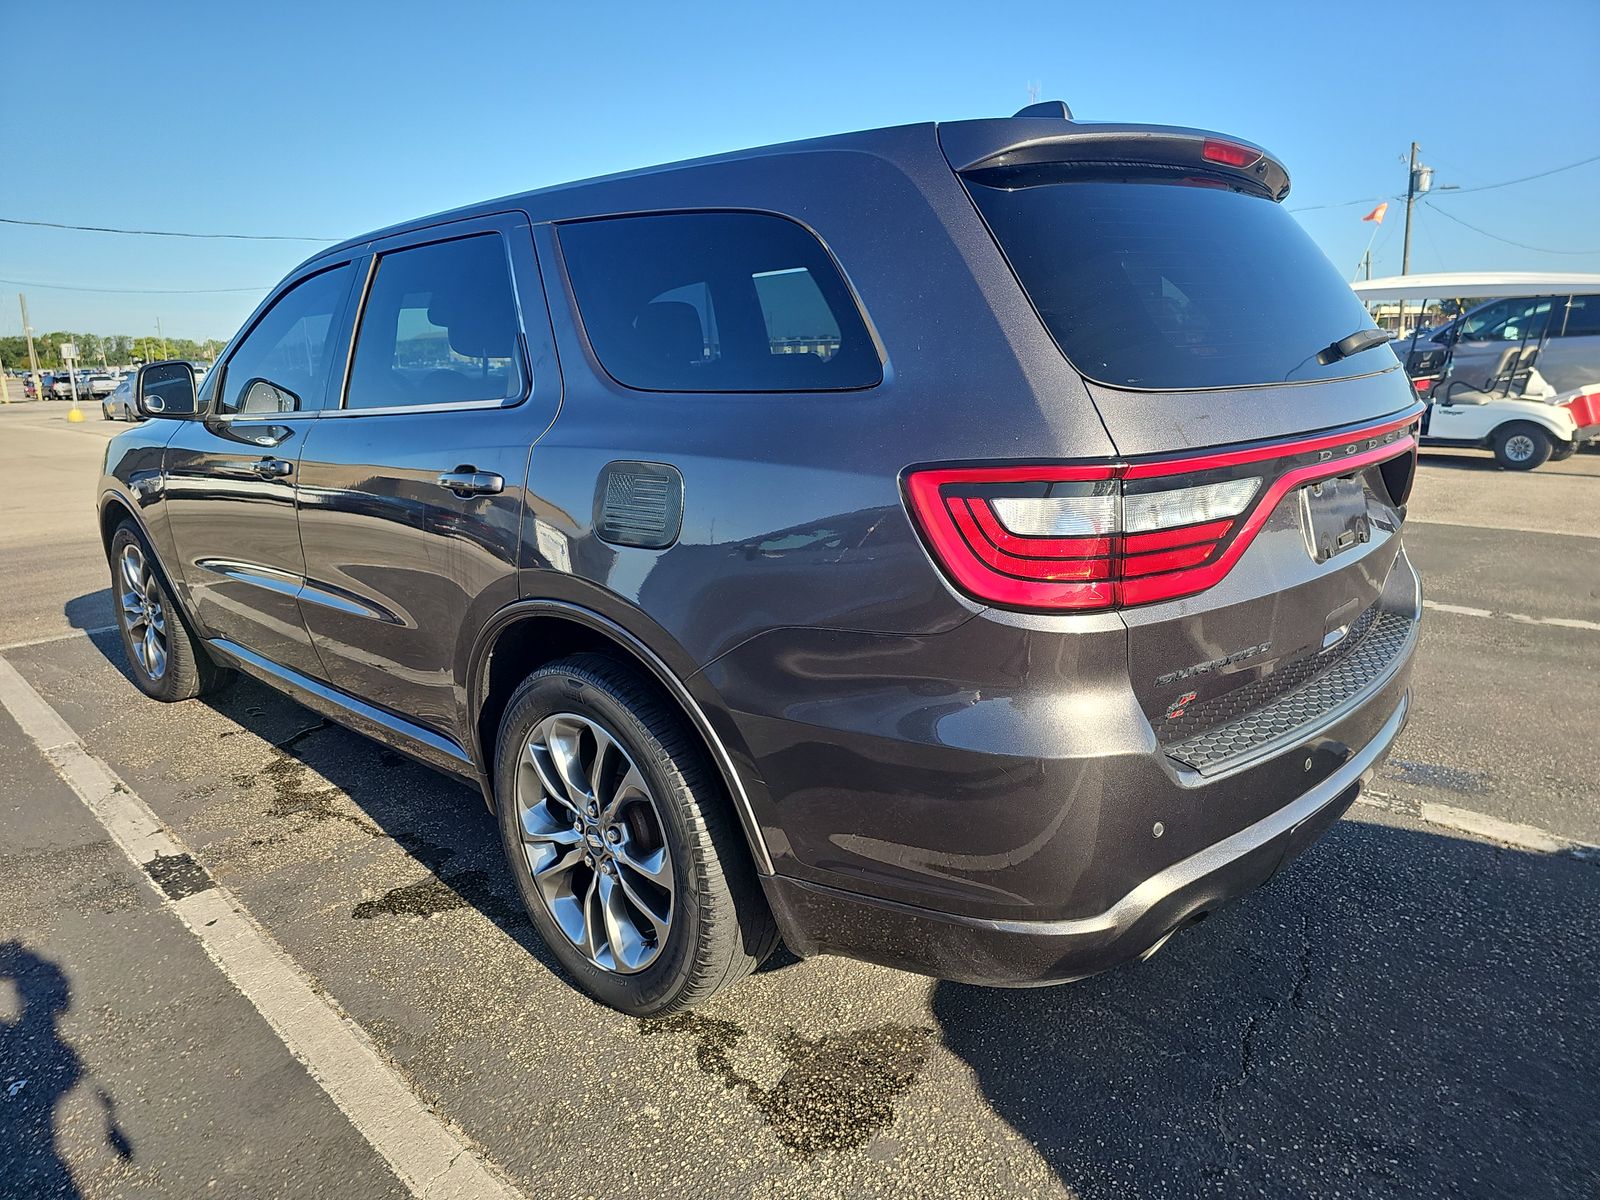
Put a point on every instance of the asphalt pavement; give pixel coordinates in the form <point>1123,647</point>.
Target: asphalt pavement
<point>1408,1010</point>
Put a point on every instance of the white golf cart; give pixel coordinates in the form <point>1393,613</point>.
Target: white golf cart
<point>1518,373</point>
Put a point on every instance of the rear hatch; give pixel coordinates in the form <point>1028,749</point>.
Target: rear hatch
<point>1249,530</point>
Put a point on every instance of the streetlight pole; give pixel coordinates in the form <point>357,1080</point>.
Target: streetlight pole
<point>1411,197</point>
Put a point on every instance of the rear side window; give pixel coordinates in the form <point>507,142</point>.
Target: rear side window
<point>1149,281</point>
<point>439,327</point>
<point>1580,318</point>
<point>716,302</point>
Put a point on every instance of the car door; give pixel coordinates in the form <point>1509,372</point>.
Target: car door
<point>1571,357</point>
<point>1486,334</point>
<point>230,473</point>
<point>411,484</point>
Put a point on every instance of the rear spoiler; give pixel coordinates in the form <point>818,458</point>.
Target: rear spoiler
<point>999,147</point>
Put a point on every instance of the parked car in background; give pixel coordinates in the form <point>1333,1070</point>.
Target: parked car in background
<point>101,384</point>
<point>1518,375</point>
<point>664,508</point>
<point>119,405</point>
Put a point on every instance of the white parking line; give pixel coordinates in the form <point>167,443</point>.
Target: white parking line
<point>427,1155</point>
<point>1462,610</point>
<point>1482,825</point>
<point>57,637</point>
<point>1413,519</point>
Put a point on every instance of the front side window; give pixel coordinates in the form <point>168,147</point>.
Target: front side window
<point>717,302</point>
<point>439,327</point>
<point>1507,321</point>
<point>282,364</point>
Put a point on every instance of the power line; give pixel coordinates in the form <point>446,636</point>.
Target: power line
<point>1489,187</point>
<point>1373,200</point>
<point>236,237</point>
<point>63,287</point>
<point>1486,187</point>
<point>1498,238</point>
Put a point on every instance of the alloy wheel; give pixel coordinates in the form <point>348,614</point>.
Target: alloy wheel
<point>595,843</point>
<point>1519,447</point>
<point>142,612</point>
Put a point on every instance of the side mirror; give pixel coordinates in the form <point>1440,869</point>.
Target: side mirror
<point>165,389</point>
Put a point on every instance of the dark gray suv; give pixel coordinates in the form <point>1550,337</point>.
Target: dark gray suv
<point>971,547</point>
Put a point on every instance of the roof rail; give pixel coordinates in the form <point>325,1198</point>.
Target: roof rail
<point>1046,108</point>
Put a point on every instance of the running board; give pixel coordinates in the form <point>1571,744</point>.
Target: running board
<point>411,739</point>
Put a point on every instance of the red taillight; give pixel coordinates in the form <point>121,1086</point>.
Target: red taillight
<point>1118,534</point>
<point>1422,385</point>
<point>1229,154</point>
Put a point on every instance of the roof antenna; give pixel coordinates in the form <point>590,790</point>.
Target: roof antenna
<point>1056,109</point>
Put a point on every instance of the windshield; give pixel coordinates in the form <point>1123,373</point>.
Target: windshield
<point>1152,282</point>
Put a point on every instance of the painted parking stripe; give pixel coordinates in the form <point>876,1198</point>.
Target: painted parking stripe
<point>428,1156</point>
<point>58,637</point>
<point>1462,610</point>
<point>1502,528</point>
<point>1481,825</point>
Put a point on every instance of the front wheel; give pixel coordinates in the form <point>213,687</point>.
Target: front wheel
<point>1521,446</point>
<point>628,856</point>
<point>165,658</point>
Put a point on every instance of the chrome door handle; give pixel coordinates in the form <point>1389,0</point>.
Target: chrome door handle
<point>274,468</point>
<point>467,482</point>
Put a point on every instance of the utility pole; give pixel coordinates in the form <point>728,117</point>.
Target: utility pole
<point>1419,181</point>
<point>163,338</point>
<point>33,358</point>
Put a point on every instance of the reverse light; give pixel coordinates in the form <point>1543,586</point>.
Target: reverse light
<point>1229,154</point>
<point>1111,535</point>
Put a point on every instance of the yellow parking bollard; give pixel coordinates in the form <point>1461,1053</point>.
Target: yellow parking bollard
<point>74,414</point>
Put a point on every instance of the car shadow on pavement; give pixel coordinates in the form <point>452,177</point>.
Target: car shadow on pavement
<point>38,1068</point>
<point>1400,1013</point>
<point>441,823</point>
<point>92,610</point>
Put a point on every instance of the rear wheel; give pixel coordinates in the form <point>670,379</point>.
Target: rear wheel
<point>1521,446</point>
<point>166,659</point>
<point>628,857</point>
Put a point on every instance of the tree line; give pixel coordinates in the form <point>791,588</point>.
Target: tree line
<point>94,350</point>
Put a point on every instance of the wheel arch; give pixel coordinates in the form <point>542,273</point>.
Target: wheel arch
<point>1539,420</point>
<point>529,633</point>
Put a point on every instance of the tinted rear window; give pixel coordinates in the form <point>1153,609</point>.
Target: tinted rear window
<point>716,302</point>
<point>1165,285</point>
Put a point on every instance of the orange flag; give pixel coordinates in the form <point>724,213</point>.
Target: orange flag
<point>1376,215</point>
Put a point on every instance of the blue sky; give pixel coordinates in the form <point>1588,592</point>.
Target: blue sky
<point>328,120</point>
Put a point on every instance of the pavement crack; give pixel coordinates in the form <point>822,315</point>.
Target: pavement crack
<point>1295,1001</point>
<point>294,739</point>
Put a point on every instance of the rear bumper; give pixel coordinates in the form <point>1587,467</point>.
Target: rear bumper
<point>816,918</point>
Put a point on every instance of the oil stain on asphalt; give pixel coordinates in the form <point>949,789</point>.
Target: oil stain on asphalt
<point>836,1091</point>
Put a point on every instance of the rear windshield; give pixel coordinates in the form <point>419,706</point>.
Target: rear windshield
<point>1148,282</point>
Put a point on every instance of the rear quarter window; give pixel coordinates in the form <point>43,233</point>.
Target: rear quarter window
<point>716,302</point>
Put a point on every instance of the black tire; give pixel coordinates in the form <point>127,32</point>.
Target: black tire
<point>1521,446</point>
<point>720,927</point>
<point>186,669</point>
<point>1562,451</point>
